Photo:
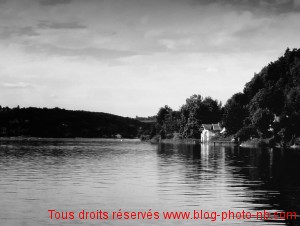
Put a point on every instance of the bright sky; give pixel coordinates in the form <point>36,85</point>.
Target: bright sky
<point>131,57</point>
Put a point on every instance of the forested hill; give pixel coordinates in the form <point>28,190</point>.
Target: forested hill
<point>269,105</point>
<point>268,108</point>
<point>43,122</point>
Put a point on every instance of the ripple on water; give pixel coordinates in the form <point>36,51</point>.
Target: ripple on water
<point>76,174</point>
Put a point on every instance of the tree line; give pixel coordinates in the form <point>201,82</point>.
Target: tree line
<point>56,122</point>
<point>268,107</point>
<point>188,119</point>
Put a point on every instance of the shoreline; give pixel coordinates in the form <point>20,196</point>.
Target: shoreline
<point>254,143</point>
<point>66,139</point>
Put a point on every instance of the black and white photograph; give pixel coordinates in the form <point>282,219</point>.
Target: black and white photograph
<point>149,112</point>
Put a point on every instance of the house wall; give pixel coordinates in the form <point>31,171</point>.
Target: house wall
<point>206,135</point>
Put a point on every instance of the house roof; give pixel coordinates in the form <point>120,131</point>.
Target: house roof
<point>214,127</point>
<point>207,126</point>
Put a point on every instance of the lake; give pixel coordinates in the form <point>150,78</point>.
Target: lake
<point>129,176</point>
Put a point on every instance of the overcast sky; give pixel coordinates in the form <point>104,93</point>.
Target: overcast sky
<point>130,57</point>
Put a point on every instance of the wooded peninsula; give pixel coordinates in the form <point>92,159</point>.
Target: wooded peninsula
<point>268,108</point>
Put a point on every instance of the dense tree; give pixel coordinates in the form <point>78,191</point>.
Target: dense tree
<point>262,119</point>
<point>167,121</point>
<point>188,120</point>
<point>247,132</point>
<point>212,110</point>
<point>292,110</point>
<point>272,101</point>
<point>267,98</point>
<point>252,87</point>
<point>162,113</point>
<point>235,112</point>
<point>190,117</point>
<point>197,111</point>
<point>172,122</point>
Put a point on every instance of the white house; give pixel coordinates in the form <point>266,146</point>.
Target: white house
<point>209,131</point>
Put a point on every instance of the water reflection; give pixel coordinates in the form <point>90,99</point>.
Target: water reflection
<point>76,174</point>
<point>255,179</point>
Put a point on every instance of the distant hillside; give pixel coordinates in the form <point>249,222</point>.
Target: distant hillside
<point>43,122</point>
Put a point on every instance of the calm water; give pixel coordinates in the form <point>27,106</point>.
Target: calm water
<point>91,175</point>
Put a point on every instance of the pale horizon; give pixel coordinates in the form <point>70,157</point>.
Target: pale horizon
<point>131,57</point>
